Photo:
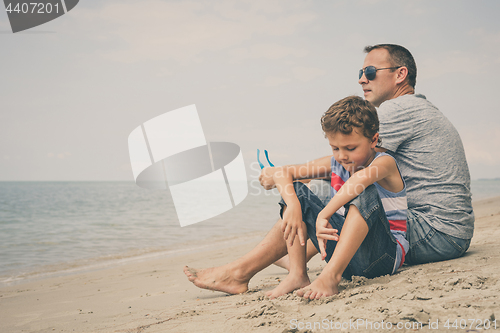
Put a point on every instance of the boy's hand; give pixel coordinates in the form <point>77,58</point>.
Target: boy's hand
<point>292,225</point>
<point>325,232</point>
<point>266,178</point>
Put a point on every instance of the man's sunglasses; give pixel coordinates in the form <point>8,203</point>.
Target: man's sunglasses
<point>371,71</point>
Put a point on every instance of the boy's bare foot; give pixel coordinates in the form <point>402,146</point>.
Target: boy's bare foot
<point>218,279</point>
<point>284,262</point>
<point>323,286</point>
<point>289,284</point>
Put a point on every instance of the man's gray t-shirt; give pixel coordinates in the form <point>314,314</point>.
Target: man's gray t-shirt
<point>431,157</point>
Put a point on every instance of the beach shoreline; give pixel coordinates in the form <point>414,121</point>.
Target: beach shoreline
<point>153,295</point>
<point>86,265</point>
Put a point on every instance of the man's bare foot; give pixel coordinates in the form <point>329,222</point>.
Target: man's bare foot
<point>218,279</point>
<point>284,262</point>
<point>323,286</point>
<point>289,284</point>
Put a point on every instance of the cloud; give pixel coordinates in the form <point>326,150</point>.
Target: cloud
<point>163,71</point>
<point>483,50</point>
<point>481,145</point>
<point>60,156</point>
<point>273,81</point>
<point>270,51</point>
<point>183,31</point>
<point>299,73</point>
<point>487,38</point>
<point>307,73</point>
<point>489,43</point>
<point>452,62</point>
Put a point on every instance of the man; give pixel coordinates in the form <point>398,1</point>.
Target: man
<point>431,156</point>
<point>429,152</point>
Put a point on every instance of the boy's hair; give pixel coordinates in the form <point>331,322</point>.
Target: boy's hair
<point>352,111</point>
<point>399,56</point>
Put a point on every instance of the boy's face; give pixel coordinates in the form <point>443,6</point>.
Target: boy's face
<point>353,151</point>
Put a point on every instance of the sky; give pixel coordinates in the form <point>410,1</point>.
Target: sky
<point>261,74</point>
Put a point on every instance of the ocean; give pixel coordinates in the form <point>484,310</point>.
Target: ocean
<point>53,228</point>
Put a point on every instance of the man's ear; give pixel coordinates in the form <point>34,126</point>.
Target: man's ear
<point>402,74</point>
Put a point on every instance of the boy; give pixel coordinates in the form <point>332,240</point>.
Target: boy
<point>364,238</point>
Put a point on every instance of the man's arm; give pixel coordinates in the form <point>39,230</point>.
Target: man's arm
<point>396,125</point>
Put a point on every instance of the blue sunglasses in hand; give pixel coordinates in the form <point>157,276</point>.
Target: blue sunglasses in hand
<point>267,157</point>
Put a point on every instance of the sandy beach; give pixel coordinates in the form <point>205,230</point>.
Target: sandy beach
<point>154,295</point>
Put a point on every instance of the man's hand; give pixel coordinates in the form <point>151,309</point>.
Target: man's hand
<point>292,225</point>
<point>325,232</point>
<point>266,178</point>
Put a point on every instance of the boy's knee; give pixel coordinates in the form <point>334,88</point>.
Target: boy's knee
<point>302,191</point>
<point>299,186</point>
<point>367,197</point>
<point>369,192</point>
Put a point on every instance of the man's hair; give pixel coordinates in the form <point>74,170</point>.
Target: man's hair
<point>399,56</point>
<point>350,112</point>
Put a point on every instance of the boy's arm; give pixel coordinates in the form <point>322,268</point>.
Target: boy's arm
<point>292,215</point>
<point>282,179</point>
<point>319,168</point>
<point>381,168</point>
